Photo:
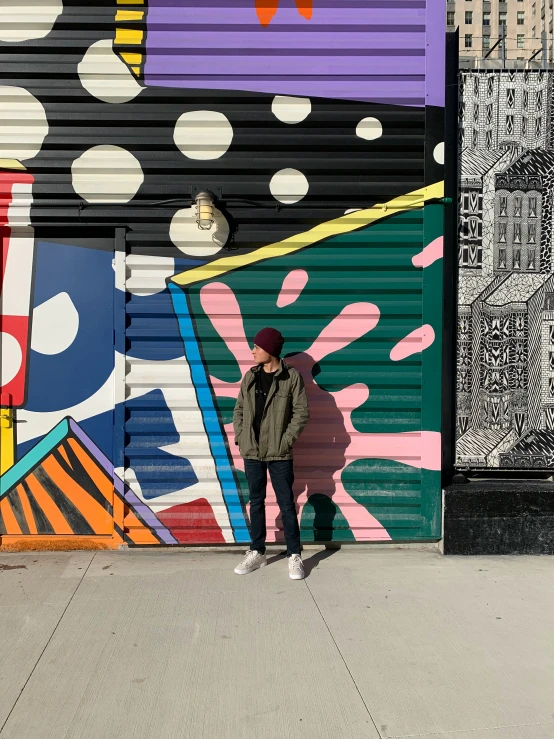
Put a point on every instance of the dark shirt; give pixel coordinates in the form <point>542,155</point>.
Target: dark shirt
<point>264,381</point>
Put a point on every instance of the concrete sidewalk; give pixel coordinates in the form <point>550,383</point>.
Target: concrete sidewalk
<point>374,643</point>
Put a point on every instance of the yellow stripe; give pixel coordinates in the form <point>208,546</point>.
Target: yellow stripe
<point>136,70</point>
<point>128,36</point>
<point>344,224</point>
<point>11,164</point>
<point>129,15</point>
<point>130,2</point>
<point>7,440</point>
<point>131,58</point>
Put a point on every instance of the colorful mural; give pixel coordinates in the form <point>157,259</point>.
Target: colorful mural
<point>125,331</point>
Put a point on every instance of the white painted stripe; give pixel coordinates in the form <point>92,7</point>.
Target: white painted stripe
<point>19,211</point>
<point>16,288</point>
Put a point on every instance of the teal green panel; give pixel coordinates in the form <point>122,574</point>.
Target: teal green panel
<point>373,265</point>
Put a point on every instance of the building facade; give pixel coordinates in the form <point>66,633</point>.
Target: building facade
<point>175,178</point>
<point>526,25</point>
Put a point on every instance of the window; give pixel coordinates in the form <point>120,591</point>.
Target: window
<point>533,33</point>
<point>533,207</point>
<point>538,127</point>
<point>509,124</point>
<point>468,17</point>
<point>488,139</point>
<point>502,259</point>
<point>510,97</point>
<point>486,42</point>
<point>450,17</point>
<point>503,205</point>
<point>532,233</point>
<point>551,333</point>
<point>517,258</point>
<point>502,19</point>
<point>476,113</point>
<point>525,98</point>
<point>551,386</point>
<point>539,100</point>
<point>468,40</point>
<point>475,138</point>
<point>502,233</point>
<point>524,126</point>
<point>520,18</point>
<point>490,81</point>
<point>520,41</point>
<point>490,114</point>
<point>517,206</point>
<point>531,259</point>
<point>486,19</point>
<point>517,233</point>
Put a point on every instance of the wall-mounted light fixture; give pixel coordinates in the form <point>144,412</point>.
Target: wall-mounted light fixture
<point>204,210</point>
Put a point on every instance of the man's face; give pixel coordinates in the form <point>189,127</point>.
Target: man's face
<point>260,356</point>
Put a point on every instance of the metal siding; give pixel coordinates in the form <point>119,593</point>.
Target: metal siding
<point>353,61</point>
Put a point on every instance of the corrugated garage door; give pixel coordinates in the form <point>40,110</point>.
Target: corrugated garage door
<point>320,138</point>
<point>356,313</point>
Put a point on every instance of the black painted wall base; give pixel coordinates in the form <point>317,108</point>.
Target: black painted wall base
<point>496,517</point>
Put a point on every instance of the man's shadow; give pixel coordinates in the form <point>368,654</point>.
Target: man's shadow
<point>310,563</point>
<point>320,451</point>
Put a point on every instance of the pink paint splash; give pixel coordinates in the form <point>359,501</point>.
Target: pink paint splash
<point>430,253</point>
<point>293,284</point>
<point>415,342</point>
<point>329,442</point>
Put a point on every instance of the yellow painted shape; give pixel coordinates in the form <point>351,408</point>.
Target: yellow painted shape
<point>131,58</point>
<point>127,36</point>
<point>136,70</point>
<point>344,224</point>
<point>130,2</point>
<point>129,15</point>
<point>11,164</point>
<point>7,440</point>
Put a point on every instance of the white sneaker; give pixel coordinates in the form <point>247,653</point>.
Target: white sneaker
<point>252,561</point>
<point>296,567</point>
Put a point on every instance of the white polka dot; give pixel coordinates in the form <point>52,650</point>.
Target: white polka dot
<point>290,109</point>
<point>438,153</point>
<point>289,186</point>
<point>106,174</point>
<point>147,275</point>
<point>12,357</point>
<point>23,124</point>
<point>191,240</point>
<point>55,325</point>
<point>24,20</point>
<point>106,76</point>
<point>203,134</point>
<point>369,129</point>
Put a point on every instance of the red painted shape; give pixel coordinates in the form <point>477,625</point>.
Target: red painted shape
<point>266,9</point>
<point>193,523</point>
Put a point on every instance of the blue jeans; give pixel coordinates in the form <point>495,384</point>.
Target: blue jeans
<point>282,479</point>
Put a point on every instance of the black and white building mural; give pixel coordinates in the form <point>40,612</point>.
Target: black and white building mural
<point>505,375</point>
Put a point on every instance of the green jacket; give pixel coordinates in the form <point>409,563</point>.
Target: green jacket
<point>284,418</point>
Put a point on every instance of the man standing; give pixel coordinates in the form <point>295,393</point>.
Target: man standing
<point>270,414</point>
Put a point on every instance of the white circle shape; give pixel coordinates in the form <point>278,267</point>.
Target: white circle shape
<point>438,153</point>
<point>23,124</point>
<point>12,357</point>
<point>107,174</point>
<point>203,134</point>
<point>289,186</point>
<point>147,275</point>
<point>369,129</point>
<point>24,20</point>
<point>290,109</point>
<point>55,325</point>
<point>191,240</point>
<point>106,76</point>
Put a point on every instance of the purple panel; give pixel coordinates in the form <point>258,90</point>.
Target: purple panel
<point>371,51</point>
